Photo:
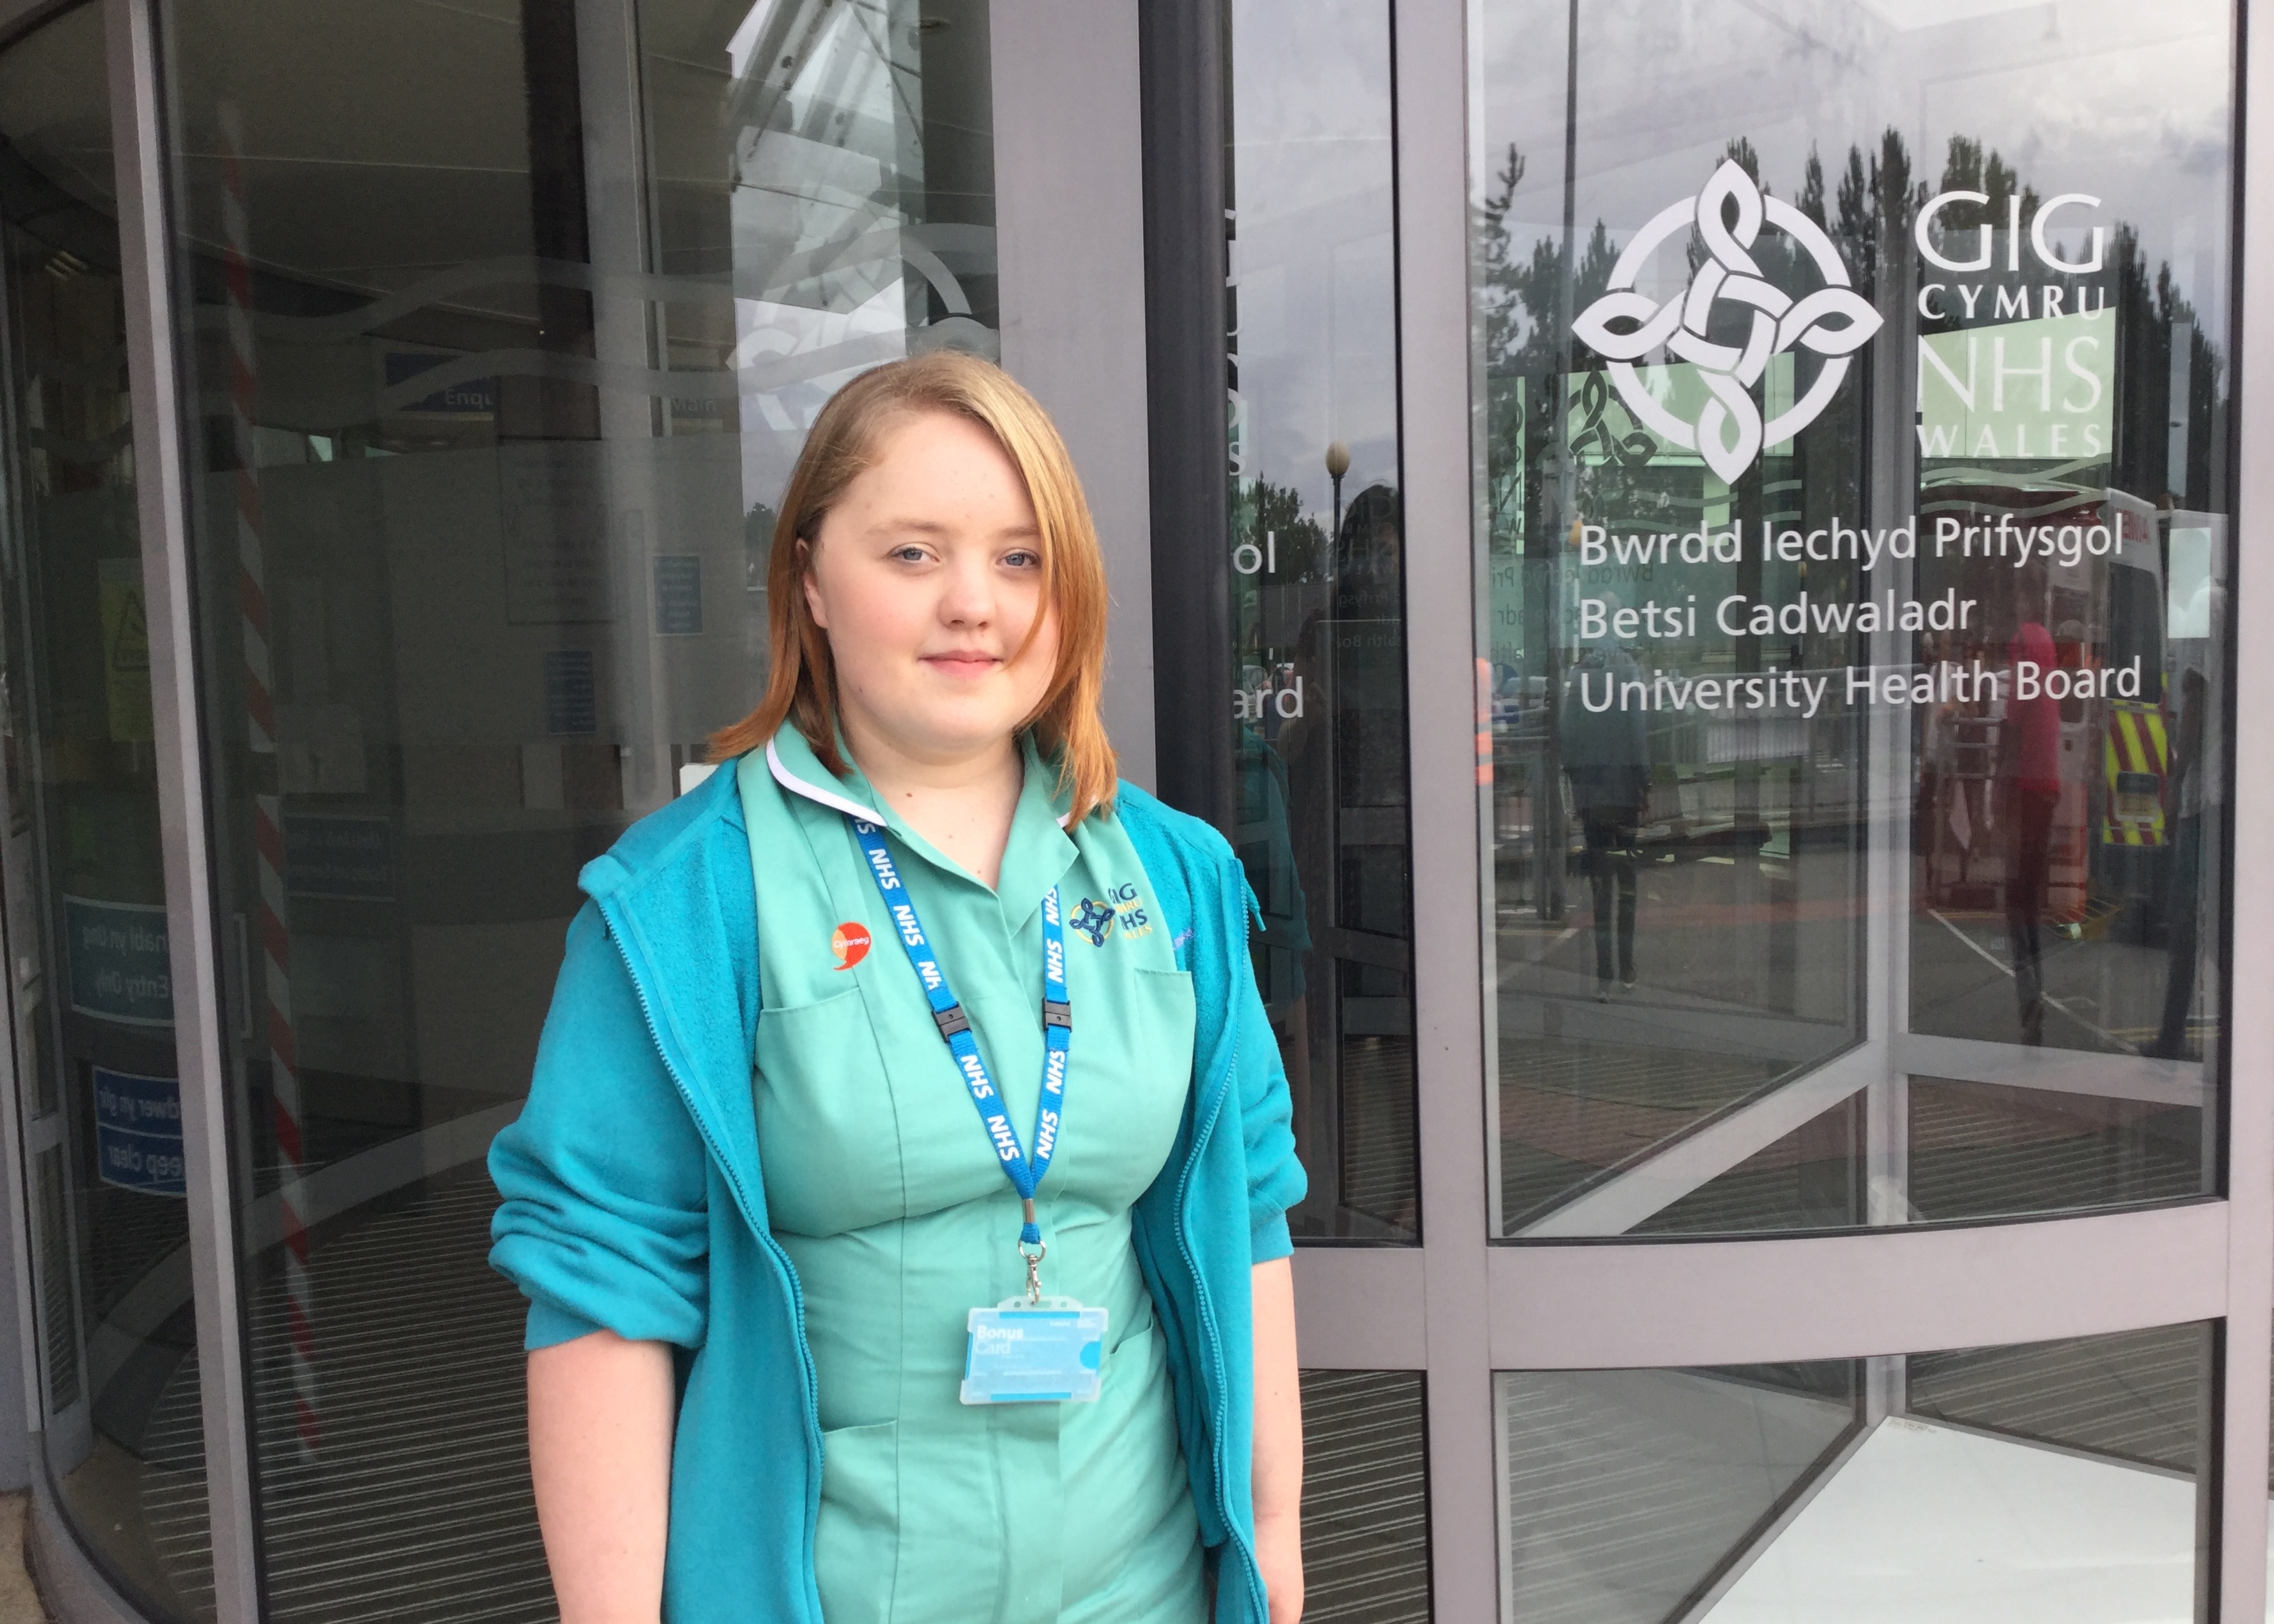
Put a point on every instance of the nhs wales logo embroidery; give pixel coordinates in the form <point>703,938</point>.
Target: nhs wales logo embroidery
<point>1094,920</point>
<point>1122,905</point>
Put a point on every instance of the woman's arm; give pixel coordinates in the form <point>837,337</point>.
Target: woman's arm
<point>1278,1464</point>
<point>600,1449</point>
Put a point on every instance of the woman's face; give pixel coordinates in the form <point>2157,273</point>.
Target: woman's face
<point>927,574</point>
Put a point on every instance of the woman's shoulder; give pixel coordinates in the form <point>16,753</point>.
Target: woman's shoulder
<point>676,835</point>
<point>1193,841</point>
<point>1193,873</point>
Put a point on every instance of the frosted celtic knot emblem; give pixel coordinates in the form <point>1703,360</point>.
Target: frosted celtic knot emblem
<point>1624,326</point>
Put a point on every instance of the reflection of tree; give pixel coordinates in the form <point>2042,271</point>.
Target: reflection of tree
<point>2151,313</point>
<point>2149,317</point>
<point>1520,307</point>
<point>1258,508</point>
<point>1289,548</point>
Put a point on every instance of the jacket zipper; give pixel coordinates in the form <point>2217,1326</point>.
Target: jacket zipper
<point>774,1248</point>
<point>1207,1316</point>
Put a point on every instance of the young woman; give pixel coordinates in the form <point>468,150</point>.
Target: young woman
<point>810,1338</point>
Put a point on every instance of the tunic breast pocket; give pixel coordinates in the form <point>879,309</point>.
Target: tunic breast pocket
<point>828,1134</point>
<point>1163,1015</point>
<point>1133,1062</point>
<point>1163,1023</point>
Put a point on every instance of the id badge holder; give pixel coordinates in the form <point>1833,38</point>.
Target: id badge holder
<point>1025,1352</point>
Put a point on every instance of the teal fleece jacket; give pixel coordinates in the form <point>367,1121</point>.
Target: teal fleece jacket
<point>634,1199</point>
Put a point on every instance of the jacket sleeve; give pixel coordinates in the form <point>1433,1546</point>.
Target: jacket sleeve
<point>604,1224</point>
<point>1275,1177</point>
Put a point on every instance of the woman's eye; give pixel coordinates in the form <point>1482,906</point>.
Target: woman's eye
<point>1022,560</point>
<point>909,554</point>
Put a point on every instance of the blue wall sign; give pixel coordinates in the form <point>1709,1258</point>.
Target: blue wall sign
<point>138,1132</point>
<point>115,953</point>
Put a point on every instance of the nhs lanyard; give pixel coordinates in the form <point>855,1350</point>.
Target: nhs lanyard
<point>1024,1172</point>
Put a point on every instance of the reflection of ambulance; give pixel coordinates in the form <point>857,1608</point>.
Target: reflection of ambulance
<point>2160,611</point>
<point>2135,755</point>
<point>2118,613</point>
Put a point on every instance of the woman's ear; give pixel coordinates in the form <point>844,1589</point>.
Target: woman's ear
<point>805,582</point>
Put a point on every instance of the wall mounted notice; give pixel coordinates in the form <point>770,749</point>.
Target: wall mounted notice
<point>554,522</point>
<point>125,650</point>
<point>351,857</point>
<point>138,1131</point>
<point>115,953</point>
<point>678,594</point>
<point>572,703</point>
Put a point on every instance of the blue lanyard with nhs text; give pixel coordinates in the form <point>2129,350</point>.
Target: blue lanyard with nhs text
<point>1017,1352</point>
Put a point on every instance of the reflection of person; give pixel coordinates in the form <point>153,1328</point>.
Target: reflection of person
<point>1367,556</point>
<point>752,1278</point>
<point>2193,787</point>
<point>2030,768</point>
<point>1281,947</point>
<point>1606,756</point>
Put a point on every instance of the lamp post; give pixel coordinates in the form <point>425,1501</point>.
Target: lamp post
<point>1338,465</point>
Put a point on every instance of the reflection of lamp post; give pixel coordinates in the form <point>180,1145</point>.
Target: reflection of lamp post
<point>1338,465</point>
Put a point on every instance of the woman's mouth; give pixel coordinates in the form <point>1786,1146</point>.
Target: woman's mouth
<point>963,663</point>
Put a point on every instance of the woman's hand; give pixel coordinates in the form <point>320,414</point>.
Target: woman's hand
<point>1278,1457</point>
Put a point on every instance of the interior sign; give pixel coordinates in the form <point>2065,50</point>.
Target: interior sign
<point>115,953</point>
<point>138,1132</point>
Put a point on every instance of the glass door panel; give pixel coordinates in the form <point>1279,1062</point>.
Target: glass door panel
<point>90,979</point>
<point>2054,1481</point>
<point>1851,529</point>
<point>1318,593</point>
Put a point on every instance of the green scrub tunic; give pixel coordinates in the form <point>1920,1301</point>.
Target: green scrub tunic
<point>885,1191</point>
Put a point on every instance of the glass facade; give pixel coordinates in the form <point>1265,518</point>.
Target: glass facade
<point>1733,576</point>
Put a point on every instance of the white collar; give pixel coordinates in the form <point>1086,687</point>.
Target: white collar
<point>790,781</point>
<point>830,797</point>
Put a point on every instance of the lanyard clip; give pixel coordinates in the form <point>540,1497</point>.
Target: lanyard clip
<point>1034,1257</point>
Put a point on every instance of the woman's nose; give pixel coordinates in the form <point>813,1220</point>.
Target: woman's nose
<point>968,598</point>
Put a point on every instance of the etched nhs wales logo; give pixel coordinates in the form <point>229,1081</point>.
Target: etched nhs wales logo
<point>1625,325</point>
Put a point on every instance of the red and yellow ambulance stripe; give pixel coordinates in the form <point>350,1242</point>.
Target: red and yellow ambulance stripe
<point>2135,758</point>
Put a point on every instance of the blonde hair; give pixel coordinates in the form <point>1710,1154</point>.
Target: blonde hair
<point>802,682</point>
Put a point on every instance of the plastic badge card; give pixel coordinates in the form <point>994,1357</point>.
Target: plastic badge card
<point>1025,1353</point>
